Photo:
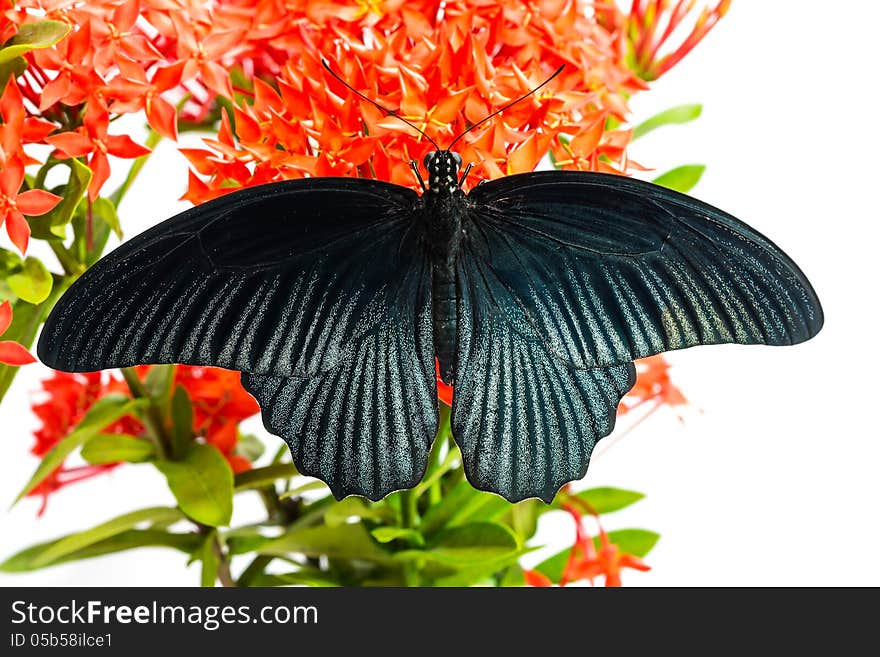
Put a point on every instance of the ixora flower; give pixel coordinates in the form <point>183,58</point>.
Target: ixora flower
<point>15,204</point>
<point>93,140</point>
<point>586,561</point>
<point>11,353</point>
<point>219,404</point>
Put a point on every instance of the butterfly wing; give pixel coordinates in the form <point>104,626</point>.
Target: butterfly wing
<point>278,279</point>
<point>366,426</point>
<point>318,289</point>
<point>526,422</point>
<point>608,269</point>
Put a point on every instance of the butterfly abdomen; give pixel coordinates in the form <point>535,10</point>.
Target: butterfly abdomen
<point>445,317</point>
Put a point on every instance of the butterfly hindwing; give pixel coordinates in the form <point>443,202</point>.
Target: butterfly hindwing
<point>608,269</point>
<point>526,422</point>
<point>279,279</point>
<point>366,426</point>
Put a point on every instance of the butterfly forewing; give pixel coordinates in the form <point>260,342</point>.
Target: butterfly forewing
<point>608,269</point>
<point>279,279</point>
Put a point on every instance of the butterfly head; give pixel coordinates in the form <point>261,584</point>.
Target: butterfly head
<point>442,167</point>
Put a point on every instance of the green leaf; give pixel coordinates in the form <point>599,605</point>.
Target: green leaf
<point>513,576</point>
<point>388,534</point>
<point>259,477</point>
<point>201,482</point>
<point>32,283</point>
<point>210,562</point>
<point>158,381</point>
<point>637,542</point>
<point>242,540</point>
<point>302,577</point>
<point>672,116</point>
<point>103,209</point>
<point>471,544</point>
<point>103,220</point>
<point>181,421</point>
<point>75,542</point>
<point>33,36</point>
<point>681,179</point>
<point>11,69</point>
<point>482,573</point>
<point>524,517</point>
<point>464,504</point>
<point>607,500</point>
<point>23,561</point>
<point>104,412</point>
<point>26,320</point>
<point>343,511</point>
<point>113,448</point>
<point>71,193</point>
<point>10,262</point>
<point>349,541</point>
<point>315,484</point>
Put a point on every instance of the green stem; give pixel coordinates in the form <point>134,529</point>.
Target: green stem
<point>153,139</point>
<point>254,568</point>
<point>224,574</point>
<point>67,261</point>
<point>152,419</point>
<point>409,519</point>
<point>435,492</point>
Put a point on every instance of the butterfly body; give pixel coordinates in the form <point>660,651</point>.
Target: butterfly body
<point>444,209</point>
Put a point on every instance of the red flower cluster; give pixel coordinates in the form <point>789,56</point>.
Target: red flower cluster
<point>218,400</point>
<point>442,67</point>
<point>645,32</point>
<point>585,562</point>
<point>219,403</point>
<point>11,353</point>
<point>653,386</point>
<point>16,130</point>
<point>69,397</point>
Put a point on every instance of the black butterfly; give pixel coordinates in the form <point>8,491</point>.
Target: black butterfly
<point>334,295</point>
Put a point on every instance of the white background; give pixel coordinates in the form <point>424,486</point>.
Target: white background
<point>772,479</point>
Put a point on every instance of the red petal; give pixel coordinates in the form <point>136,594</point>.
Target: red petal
<point>18,229</point>
<point>100,172</point>
<point>125,146</point>
<point>5,316</point>
<point>72,144</point>
<point>11,103</point>
<point>585,143</point>
<point>444,390</point>
<point>36,202</point>
<point>36,129</point>
<point>162,117</point>
<point>56,90</point>
<point>12,353</point>
<point>168,77</point>
<point>216,78</point>
<point>534,578</point>
<point>125,15</point>
<point>238,463</point>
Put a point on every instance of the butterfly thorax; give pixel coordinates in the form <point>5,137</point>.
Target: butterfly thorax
<point>444,209</point>
<point>444,204</point>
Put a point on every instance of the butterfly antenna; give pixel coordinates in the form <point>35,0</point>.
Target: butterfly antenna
<point>506,107</point>
<point>381,107</point>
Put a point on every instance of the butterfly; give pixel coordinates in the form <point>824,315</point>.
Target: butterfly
<point>534,292</point>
